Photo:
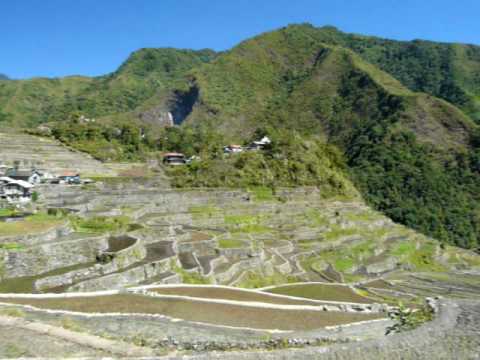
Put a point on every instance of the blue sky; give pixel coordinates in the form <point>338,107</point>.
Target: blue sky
<point>93,37</point>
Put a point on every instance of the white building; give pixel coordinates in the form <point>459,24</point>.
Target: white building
<point>15,191</point>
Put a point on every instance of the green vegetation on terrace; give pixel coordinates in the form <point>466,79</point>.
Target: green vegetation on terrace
<point>30,225</point>
<point>12,246</point>
<point>407,319</point>
<point>315,218</point>
<point>254,280</point>
<point>420,256</point>
<point>100,224</point>
<point>26,284</point>
<point>249,224</point>
<point>413,251</point>
<point>292,161</point>
<point>5,212</point>
<point>231,243</point>
<point>188,277</point>
<point>205,211</point>
<point>335,232</point>
<point>262,193</point>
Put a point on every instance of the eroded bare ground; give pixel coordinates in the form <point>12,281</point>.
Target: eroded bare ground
<point>337,251</point>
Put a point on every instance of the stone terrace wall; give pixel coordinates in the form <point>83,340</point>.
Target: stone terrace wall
<point>128,277</point>
<point>38,238</point>
<point>47,257</point>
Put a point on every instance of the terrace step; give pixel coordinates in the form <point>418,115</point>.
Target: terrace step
<point>163,278</point>
<point>157,261</point>
<point>47,154</point>
<point>188,261</point>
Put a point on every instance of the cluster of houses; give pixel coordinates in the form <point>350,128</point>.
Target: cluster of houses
<point>174,158</point>
<point>254,146</point>
<point>16,185</point>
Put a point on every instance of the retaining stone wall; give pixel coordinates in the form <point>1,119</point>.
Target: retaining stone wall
<point>38,238</point>
<point>454,334</point>
<point>125,257</point>
<point>235,268</point>
<point>47,257</point>
<point>121,259</point>
<point>128,277</point>
<point>240,253</point>
<point>200,247</point>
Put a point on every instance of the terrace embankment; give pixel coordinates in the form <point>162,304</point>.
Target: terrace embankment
<point>337,261</point>
<point>233,237</point>
<point>224,314</point>
<point>48,154</point>
<point>453,334</point>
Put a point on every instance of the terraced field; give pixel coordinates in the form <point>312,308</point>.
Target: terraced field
<point>230,238</point>
<point>45,153</point>
<point>228,293</point>
<point>255,317</point>
<point>278,264</point>
<point>326,292</point>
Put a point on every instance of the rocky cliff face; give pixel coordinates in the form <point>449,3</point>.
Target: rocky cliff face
<point>157,116</point>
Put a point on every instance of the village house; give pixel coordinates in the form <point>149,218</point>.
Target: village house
<point>174,159</point>
<point>46,176</point>
<point>3,169</point>
<point>233,149</point>
<point>69,177</point>
<point>15,191</point>
<point>32,176</point>
<point>260,145</point>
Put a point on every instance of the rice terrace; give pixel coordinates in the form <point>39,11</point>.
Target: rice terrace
<point>307,194</point>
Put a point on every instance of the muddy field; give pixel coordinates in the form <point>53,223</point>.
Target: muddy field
<point>228,294</point>
<point>325,292</point>
<point>211,313</point>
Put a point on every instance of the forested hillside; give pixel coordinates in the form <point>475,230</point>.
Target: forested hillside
<point>411,155</point>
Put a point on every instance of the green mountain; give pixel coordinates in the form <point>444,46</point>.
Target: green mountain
<point>396,119</point>
<point>147,73</point>
<point>411,155</point>
<point>4,77</point>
